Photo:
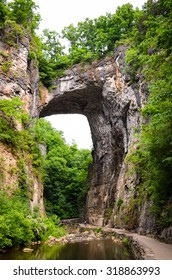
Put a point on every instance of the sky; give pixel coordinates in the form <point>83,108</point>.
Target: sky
<point>55,16</point>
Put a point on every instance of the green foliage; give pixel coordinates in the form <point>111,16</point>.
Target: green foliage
<point>89,40</point>
<point>11,112</point>
<point>119,203</point>
<point>21,142</point>
<point>24,12</point>
<point>125,241</point>
<point>13,34</point>
<point>19,227</point>
<point>3,11</point>
<point>95,38</point>
<point>15,227</point>
<point>18,18</point>
<point>151,55</point>
<point>6,66</point>
<point>99,230</point>
<point>52,60</point>
<point>53,227</point>
<point>65,171</point>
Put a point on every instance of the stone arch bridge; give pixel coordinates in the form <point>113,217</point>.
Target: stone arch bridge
<point>104,95</point>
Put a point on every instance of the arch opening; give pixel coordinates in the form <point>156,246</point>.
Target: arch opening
<point>92,100</point>
<point>75,128</point>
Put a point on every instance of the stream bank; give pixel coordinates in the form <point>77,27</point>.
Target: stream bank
<point>86,242</point>
<point>142,247</point>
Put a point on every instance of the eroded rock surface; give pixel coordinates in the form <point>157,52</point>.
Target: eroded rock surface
<point>103,94</point>
<point>111,102</point>
<point>19,78</point>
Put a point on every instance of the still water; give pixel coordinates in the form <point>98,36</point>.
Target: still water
<point>86,250</point>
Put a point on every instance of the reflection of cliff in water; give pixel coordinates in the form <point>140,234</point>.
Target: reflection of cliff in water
<point>86,250</point>
<point>96,250</point>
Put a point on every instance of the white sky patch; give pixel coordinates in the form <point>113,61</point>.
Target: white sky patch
<point>58,14</point>
<point>75,128</point>
<point>55,16</point>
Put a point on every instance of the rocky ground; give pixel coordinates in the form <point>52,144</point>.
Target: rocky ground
<point>150,248</point>
<point>143,247</point>
<point>82,233</point>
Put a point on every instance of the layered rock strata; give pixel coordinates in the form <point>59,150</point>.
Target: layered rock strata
<point>19,78</point>
<point>111,102</point>
<point>104,95</point>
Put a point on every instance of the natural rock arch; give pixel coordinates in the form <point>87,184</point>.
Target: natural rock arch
<point>101,93</point>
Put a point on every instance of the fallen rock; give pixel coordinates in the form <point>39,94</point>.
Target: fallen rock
<point>27,250</point>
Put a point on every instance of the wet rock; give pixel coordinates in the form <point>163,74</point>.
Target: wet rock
<point>27,250</point>
<point>167,234</point>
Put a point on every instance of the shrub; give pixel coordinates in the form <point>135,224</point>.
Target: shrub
<point>19,227</point>
<point>99,230</point>
<point>119,203</point>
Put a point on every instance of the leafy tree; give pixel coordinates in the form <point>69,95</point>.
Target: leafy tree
<point>95,38</point>
<point>24,12</point>
<point>52,59</point>
<point>70,33</point>
<point>3,11</point>
<point>51,45</point>
<point>153,59</point>
<point>18,226</point>
<point>65,171</point>
<point>11,112</point>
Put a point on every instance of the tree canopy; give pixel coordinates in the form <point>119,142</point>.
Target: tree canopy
<point>65,170</point>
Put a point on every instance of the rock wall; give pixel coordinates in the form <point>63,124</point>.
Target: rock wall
<point>103,94</point>
<point>106,96</point>
<point>19,77</point>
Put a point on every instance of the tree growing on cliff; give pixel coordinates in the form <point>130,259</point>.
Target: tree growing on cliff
<point>151,55</point>
<point>24,12</point>
<point>3,12</point>
<point>52,59</point>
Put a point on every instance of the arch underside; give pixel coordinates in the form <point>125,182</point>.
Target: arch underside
<point>111,108</point>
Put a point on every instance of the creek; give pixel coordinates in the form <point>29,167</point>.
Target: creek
<point>104,249</point>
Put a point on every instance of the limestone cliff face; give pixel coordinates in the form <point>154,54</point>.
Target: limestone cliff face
<point>105,96</point>
<point>19,77</point>
<point>18,74</point>
<point>111,103</point>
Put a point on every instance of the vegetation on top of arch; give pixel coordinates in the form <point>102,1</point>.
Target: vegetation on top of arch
<point>149,33</point>
<point>89,40</point>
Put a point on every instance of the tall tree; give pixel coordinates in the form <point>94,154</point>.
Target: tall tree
<point>65,172</point>
<point>24,12</point>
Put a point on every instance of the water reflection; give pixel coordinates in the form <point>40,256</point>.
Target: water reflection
<point>93,250</point>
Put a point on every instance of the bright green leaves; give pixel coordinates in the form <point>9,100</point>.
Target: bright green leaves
<point>20,14</point>
<point>95,38</point>
<point>24,12</point>
<point>89,40</point>
<point>15,227</point>
<point>151,55</point>
<point>18,226</point>
<point>3,12</point>
<point>11,114</point>
<point>51,45</point>
<point>126,16</point>
<point>13,110</point>
<point>65,170</point>
<point>52,60</point>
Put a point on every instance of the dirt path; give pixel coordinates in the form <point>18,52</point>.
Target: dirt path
<point>153,248</point>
